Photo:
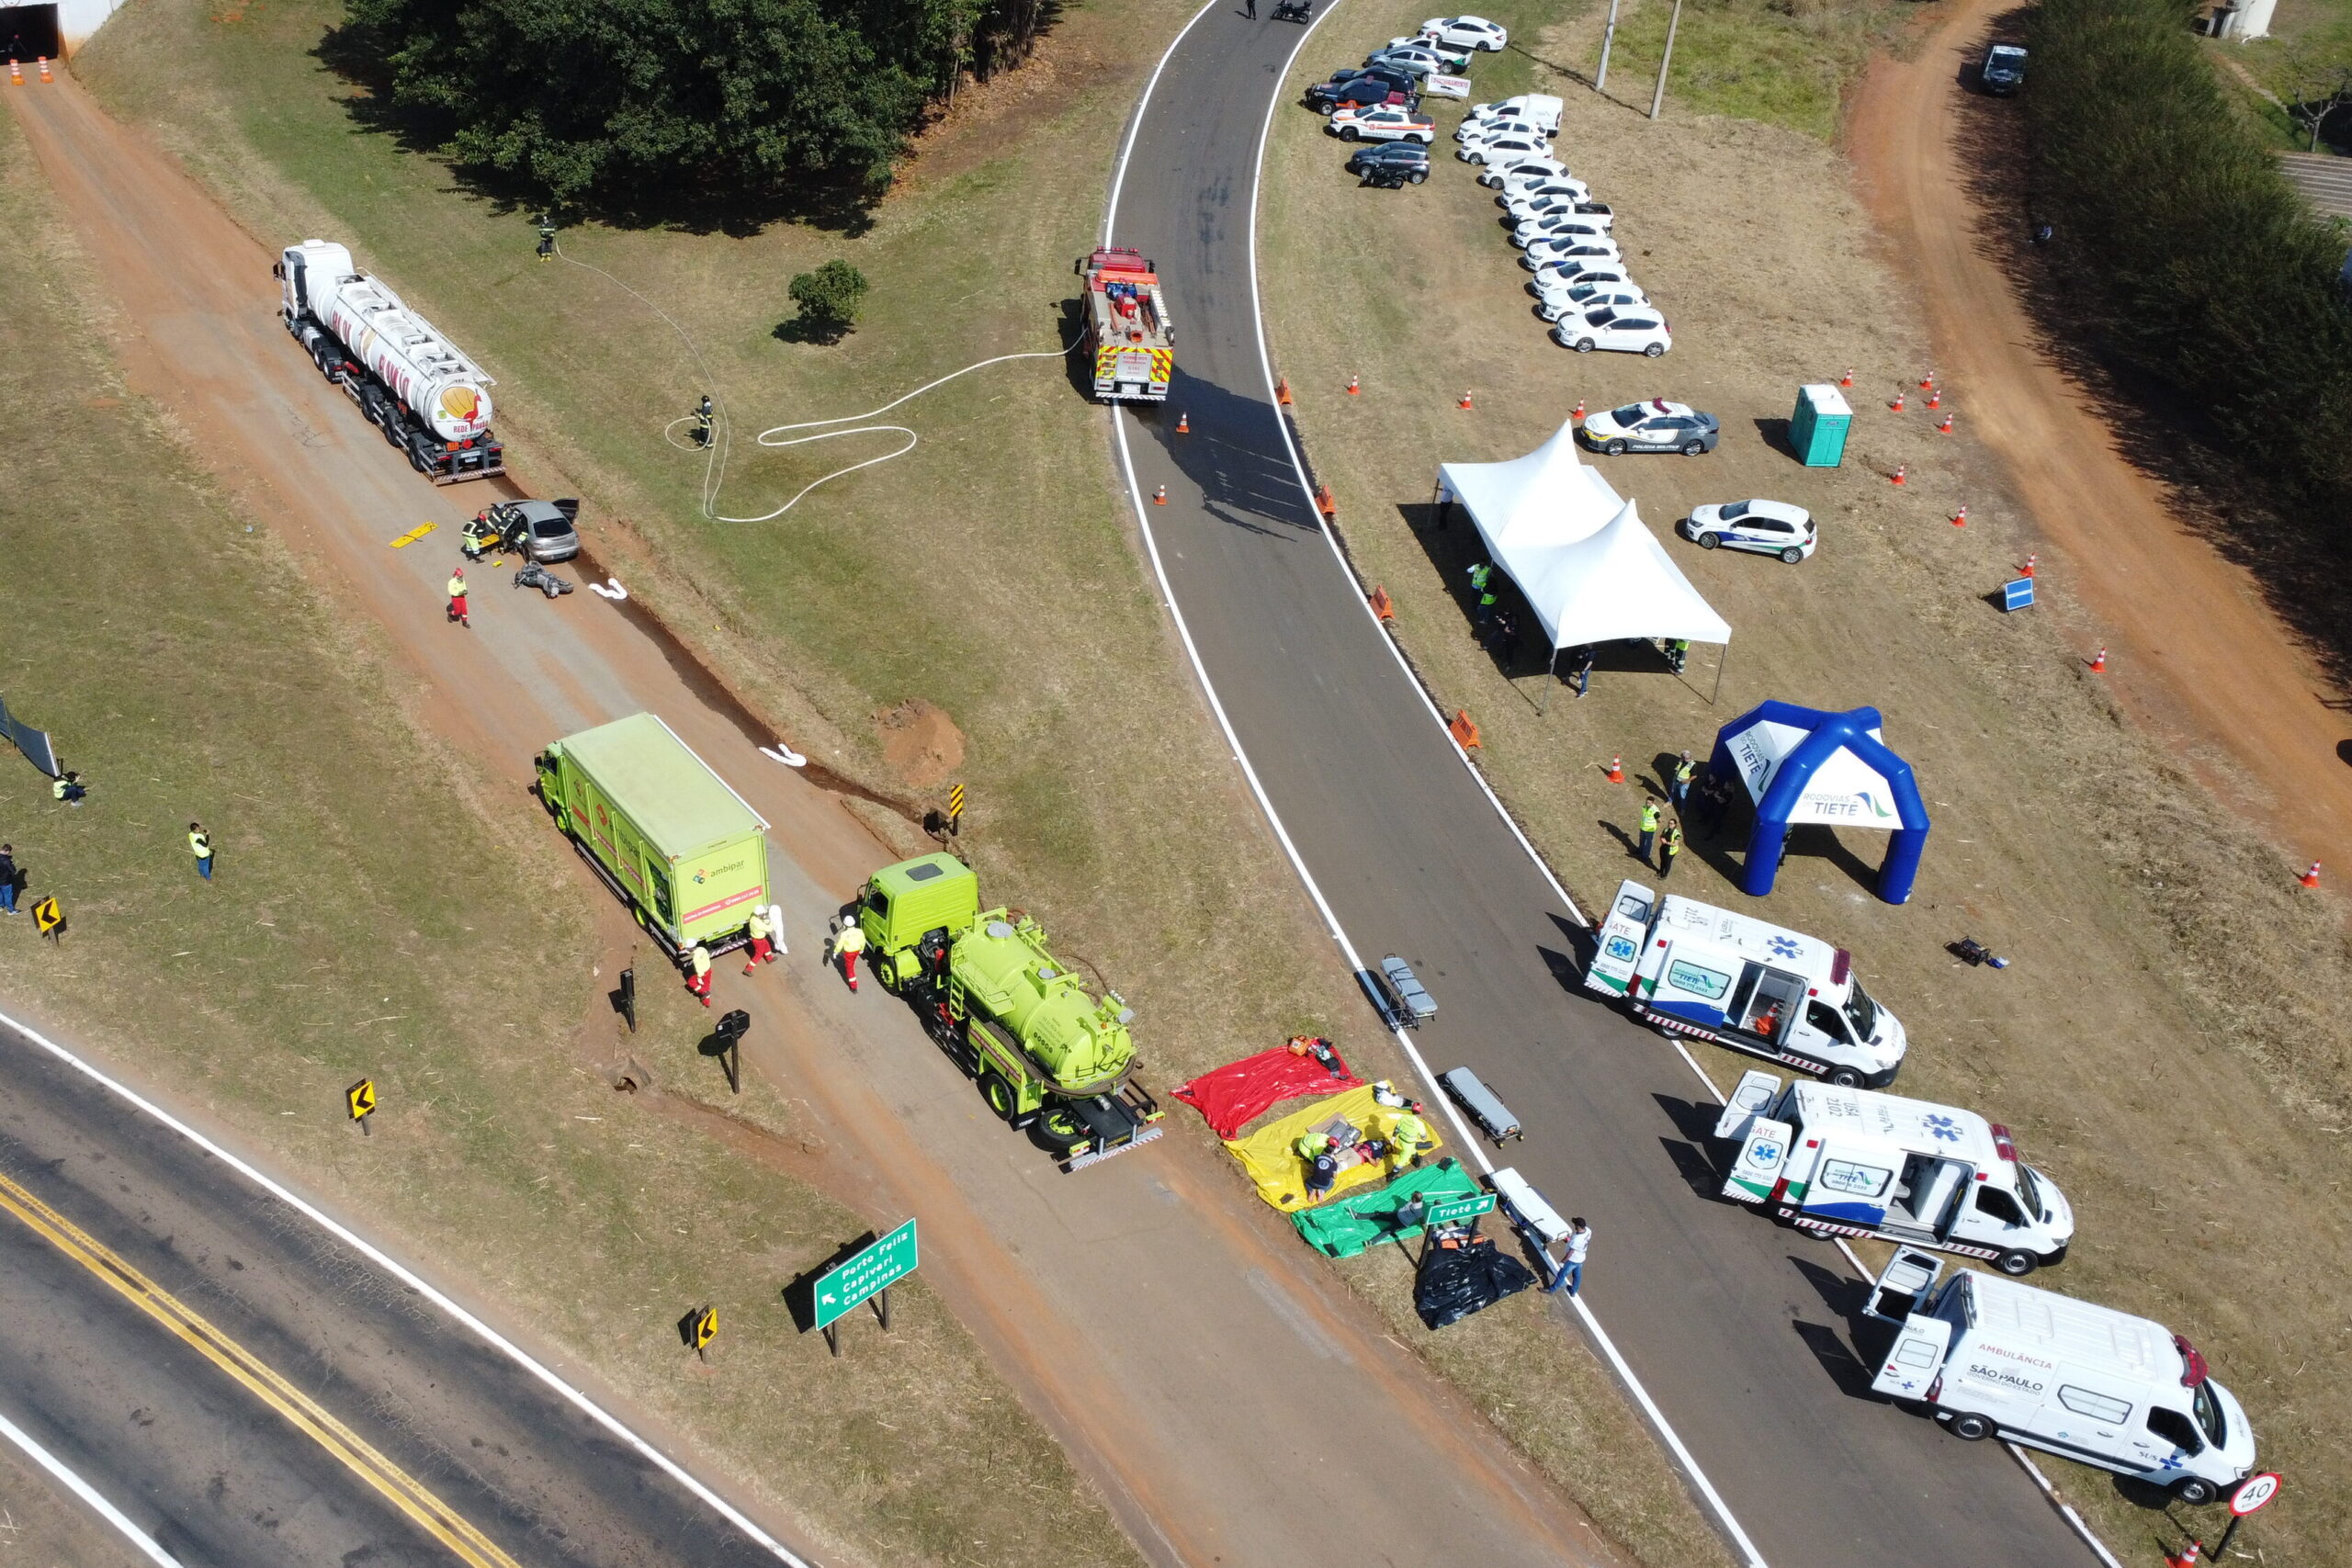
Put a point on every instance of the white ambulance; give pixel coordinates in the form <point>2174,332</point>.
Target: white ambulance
<point>1990,1357</point>
<point>1693,969</point>
<point>1850,1162</point>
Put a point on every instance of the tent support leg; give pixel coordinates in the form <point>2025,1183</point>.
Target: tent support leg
<point>1721,660</point>
<point>1551,678</point>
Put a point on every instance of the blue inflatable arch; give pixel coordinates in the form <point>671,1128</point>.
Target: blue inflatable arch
<point>1830,733</point>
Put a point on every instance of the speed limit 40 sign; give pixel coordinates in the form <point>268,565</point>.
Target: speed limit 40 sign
<point>2257,1491</point>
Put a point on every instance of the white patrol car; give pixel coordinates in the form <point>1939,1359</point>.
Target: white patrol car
<point>1381,123</point>
<point>1850,1162</point>
<point>1765,527</point>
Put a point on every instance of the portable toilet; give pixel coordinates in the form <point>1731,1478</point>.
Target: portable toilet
<point>1817,430</point>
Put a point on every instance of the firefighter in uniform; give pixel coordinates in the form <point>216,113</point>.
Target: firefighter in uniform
<point>701,421</point>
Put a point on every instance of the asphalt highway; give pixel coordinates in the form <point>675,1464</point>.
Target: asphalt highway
<point>252,1392</point>
<point>1742,1332</point>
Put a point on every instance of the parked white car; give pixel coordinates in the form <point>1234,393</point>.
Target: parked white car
<point>1504,149</point>
<point>1543,252</point>
<point>1488,129</point>
<point>1558,226</point>
<point>1411,60</point>
<point>1541,107</point>
<point>1382,124</point>
<point>1569,277</point>
<point>1629,329</point>
<point>1468,32</point>
<point>1562,304</point>
<point>1521,200</point>
<point>1455,59</point>
<point>1509,176</point>
<point>1766,527</point>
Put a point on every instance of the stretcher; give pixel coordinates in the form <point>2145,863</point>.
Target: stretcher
<point>1480,1103</point>
<point>1403,1002</point>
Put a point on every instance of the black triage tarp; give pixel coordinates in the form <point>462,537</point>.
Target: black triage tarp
<point>1457,1281</point>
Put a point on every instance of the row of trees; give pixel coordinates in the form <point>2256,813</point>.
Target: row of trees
<point>620,101</point>
<point>2200,264</point>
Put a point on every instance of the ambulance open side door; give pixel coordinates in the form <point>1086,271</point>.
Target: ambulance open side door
<point>1921,1342</point>
<point>1620,940</point>
<point>1763,1143</point>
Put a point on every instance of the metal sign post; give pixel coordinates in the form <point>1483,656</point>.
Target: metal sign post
<point>732,1027</point>
<point>360,1100</point>
<point>2255,1494</point>
<point>865,1277</point>
<point>628,996</point>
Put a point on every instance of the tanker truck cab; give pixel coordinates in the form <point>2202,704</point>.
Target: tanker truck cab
<point>1991,1357</point>
<point>1049,1056</point>
<point>1851,1162</point>
<point>1691,968</point>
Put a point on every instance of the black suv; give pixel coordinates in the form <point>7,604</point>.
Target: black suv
<point>2003,71</point>
<point>1390,164</point>
<point>1356,85</point>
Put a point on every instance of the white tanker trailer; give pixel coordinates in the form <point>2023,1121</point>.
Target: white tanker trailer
<point>429,400</point>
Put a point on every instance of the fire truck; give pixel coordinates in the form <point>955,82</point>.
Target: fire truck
<point>1128,331</point>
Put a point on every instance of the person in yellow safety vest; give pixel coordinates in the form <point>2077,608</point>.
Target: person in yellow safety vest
<point>458,598</point>
<point>699,984</point>
<point>1649,831</point>
<point>68,788</point>
<point>1311,1144</point>
<point>757,929</point>
<point>200,844</point>
<point>1406,1139</point>
<point>848,942</point>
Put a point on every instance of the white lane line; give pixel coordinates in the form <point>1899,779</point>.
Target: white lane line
<point>2065,1509</point>
<point>88,1494</point>
<point>376,1254</point>
<point>1467,1141</point>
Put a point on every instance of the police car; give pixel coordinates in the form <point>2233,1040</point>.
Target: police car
<point>1382,125</point>
<point>1653,426</point>
<point>1766,527</point>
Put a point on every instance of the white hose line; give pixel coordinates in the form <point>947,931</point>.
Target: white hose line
<point>714,461</point>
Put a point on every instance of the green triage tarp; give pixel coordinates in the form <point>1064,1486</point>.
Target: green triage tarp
<point>1347,1227</point>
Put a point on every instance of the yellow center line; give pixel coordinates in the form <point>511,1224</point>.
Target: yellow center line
<point>308,1416</point>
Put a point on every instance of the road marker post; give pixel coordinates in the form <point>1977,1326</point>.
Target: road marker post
<point>628,996</point>
<point>954,809</point>
<point>728,1032</point>
<point>360,1100</point>
<point>704,1328</point>
<point>15,75</point>
<point>50,920</point>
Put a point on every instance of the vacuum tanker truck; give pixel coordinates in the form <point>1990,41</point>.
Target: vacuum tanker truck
<point>1049,1056</point>
<point>411,382</point>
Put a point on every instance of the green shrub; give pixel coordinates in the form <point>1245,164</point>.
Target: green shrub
<point>2202,266</point>
<point>828,298</point>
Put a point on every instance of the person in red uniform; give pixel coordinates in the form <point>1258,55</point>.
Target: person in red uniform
<point>458,598</point>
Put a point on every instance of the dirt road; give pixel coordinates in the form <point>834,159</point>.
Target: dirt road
<point>2193,653</point>
<point>1201,1368</point>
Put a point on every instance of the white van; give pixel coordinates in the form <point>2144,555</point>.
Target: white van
<point>1850,1162</point>
<point>1540,109</point>
<point>1988,1356</point>
<point>1693,969</point>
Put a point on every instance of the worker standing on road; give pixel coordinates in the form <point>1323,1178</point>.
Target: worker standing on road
<point>699,981</point>
<point>1669,849</point>
<point>458,598</point>
<point>1481,576</point>
<point>1684,771</point>
<point>1250,9</point>
<point>200,844</point>
<point>1571,1275</point>
<point>757,928</point>
<point>7,879</point>
<point>848,942</point>
<point>1406,1139</point>
<point>1649,831</point>
<point>701,421</point>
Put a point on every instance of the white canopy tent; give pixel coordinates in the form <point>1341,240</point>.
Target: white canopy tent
<point>1579,552</point>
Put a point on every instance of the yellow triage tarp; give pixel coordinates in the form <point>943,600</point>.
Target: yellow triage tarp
<point>1271,1154</point>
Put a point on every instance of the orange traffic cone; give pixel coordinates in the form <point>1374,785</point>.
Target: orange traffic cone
<point>1324,503</point>
<point>2031,562</point>
<point>2098,665</point>
<point>2190,1555</point>
<point>44,70</point>
<point>1946,426</point>
<point>1578,417</point>
<point>1159,496</point>
<point>1846,380</point>
<point>1617,769</point>
<point>1355,389</point>
<point>2311,878</point>
<point>1960,518</point>
<point>1927,380</point>
<point>1383,608</point>
<point>1936,397</point>
<point>1465,398</point>
<point>15,75</point>
<point>1282,392</point>
<point>1184,425</point>
<point>1899,474</point>
<point>1898,402</point>
<point>1465,733</point>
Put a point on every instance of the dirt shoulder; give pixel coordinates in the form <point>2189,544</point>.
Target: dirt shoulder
<point>2163,996</point>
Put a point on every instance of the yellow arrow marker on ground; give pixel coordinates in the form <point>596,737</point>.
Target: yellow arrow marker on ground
<point>413,534</point>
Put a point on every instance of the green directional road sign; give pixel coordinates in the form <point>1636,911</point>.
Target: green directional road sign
<point>1452,1209</point>
<point>875,1269</point>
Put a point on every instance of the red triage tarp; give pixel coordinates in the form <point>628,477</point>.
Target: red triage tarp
<point>1233,1095</point>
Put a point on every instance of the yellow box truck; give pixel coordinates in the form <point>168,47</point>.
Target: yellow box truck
<point>683,851</point>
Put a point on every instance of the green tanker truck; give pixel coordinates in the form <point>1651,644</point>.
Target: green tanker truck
<point>1047,1055</point>
<point>682,849</point>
